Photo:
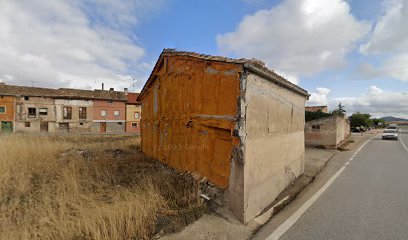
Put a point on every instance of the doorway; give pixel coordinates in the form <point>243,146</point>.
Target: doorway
<point>6,127</point>
<point>64,127</point>
<point>102,127</point>
<point>44,127</point>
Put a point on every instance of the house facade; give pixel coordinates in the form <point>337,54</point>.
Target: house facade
<point>74,115</point>
<point>35,114</point>
<point>7,106</point>
<point>235,122</point>
<point>133,113</point>
<point>109,116</point>
<point>33,110</point>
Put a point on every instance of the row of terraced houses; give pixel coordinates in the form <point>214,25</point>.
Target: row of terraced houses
<point>32,109</point>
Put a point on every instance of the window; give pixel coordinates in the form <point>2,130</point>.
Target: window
<point>116,113</point>
<point>134,124</point>
<point>316,127</point>
<point>43,111</point>
<point>2,109</point>
<point>103,113</point>
<point>67,113</point>
<point>137,115</point>
<point>27,124</point>
<point>26,98</point>
<point>32,112</point>
<point>82,113</point>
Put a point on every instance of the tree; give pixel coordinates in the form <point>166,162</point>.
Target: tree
<point>378,122</point>
<point>339,110</point>
<point>360,119</point>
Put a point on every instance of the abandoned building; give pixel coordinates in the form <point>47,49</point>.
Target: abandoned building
<point>61,110</point>
<point>233,121</point>
<point>133,110</point>
<point>316,109</point>
<point>329,132</point>
<point>73,115</point>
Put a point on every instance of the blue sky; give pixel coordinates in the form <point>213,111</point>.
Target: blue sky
<point>335,49</point>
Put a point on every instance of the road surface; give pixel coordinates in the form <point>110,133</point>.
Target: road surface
<point>369,200</point>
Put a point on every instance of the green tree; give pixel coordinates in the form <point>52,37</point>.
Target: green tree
<point>378,122</point>
<point>360,119</point>
<point>340,110</point>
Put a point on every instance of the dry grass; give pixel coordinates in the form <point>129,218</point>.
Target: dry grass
<point>83,187</point>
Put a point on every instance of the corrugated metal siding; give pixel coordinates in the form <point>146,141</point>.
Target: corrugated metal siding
<point>188,116</point>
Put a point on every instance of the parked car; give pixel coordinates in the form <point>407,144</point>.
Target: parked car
<point>390,134</point>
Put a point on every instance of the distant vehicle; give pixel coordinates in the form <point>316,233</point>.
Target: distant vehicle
<point>392,126</point>
<point>390,134</point>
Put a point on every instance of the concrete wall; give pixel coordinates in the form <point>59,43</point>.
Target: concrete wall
<point>343,129</point>
<point>273,143</point>
<point>22,118</point>
<point>75,124</point>
<point>327,132</point>
<point>131,109</point>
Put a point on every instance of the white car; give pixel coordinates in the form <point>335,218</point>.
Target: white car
<point>390,134</point>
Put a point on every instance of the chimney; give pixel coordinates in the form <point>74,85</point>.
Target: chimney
<point>103,86</point>
<point>125,91</point>
<point>111,89</point>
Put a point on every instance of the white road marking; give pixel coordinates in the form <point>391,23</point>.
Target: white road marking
<point>403,144</point>
<point>285,226</point>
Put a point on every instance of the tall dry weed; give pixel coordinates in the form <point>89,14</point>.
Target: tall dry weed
<point>49,189</point>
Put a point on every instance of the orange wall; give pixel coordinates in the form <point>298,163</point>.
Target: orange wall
<point>99,105</point>
<point>8,102</point>
<point>188,122</point>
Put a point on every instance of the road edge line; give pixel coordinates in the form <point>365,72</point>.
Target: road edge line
<point>403,144</point>
<point>286,225</point>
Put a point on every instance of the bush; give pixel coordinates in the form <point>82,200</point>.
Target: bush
<point>309,116</point>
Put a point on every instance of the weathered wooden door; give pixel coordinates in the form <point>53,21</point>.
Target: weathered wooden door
<point>44,126</point>
<point>6,127</point>
<point>102,127</point>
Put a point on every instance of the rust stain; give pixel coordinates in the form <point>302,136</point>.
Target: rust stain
<point>189,116</point>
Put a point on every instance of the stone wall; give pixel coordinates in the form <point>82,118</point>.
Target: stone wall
<point>327,132</point>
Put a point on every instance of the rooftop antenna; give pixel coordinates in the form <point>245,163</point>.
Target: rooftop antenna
<point>133,85</point>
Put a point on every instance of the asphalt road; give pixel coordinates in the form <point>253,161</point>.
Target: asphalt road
<point>369,200</point>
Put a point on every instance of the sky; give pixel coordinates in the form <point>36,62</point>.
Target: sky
<point>353,52</point>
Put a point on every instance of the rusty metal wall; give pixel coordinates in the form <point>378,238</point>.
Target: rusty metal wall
<point>189,114</point>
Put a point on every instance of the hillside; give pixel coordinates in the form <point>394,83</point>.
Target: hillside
<point>394,119</point>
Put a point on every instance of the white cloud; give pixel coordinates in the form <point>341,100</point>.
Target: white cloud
<point>389,40</point>
<point>298,36</point>
<point>377,102</point>
<point>70,43</point>
<point>390,33</point>
<point>319,97</point>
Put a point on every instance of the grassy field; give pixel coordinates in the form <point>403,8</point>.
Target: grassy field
<point>85,187</point>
